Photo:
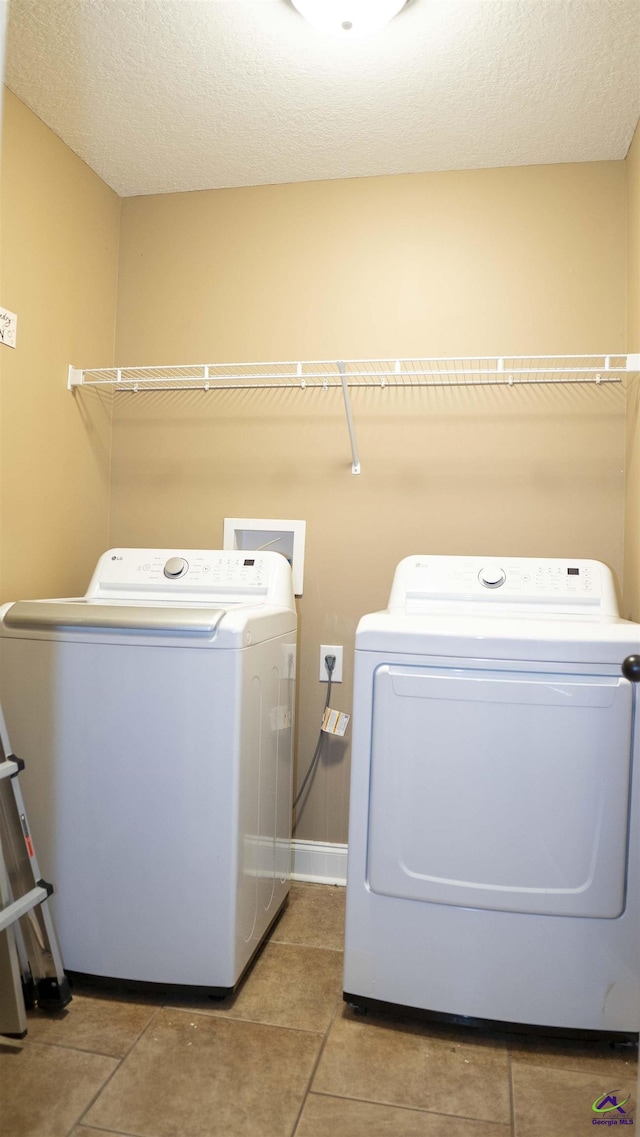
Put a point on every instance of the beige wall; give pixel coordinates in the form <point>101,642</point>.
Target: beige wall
<point>475,262</point>
<point>514,260</point>
<point>632,495</point>
<point>633,243</point>
<point>60,226</point>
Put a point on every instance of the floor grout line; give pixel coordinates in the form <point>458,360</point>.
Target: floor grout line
<point>97,1129</point>
<point>413,1109</point>
<point>312,947</point>
<point>237,1019</point>
<point>76,1049</point>
<point>123,1059</point>
<point>511,1092</point>
<point>315,1067</point>
<point>95,1097</point>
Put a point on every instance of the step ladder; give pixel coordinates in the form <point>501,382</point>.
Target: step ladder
<point>31,969</point>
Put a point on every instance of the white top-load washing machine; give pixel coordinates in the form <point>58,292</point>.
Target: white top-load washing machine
<point>494,820</point>
<point>155,717</point>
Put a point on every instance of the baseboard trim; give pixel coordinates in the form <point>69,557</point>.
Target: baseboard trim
<point>319,862</point>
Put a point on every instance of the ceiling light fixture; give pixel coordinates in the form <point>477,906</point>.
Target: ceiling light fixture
<point>348,19</point>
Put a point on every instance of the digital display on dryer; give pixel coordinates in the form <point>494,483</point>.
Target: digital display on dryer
<point>573,572</point>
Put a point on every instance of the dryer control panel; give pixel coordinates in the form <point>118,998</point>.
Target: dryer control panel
<point>424,583</point>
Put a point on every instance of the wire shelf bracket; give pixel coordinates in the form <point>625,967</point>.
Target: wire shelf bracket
<point>355,465</point>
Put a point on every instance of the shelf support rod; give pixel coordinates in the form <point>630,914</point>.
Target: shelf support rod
<point>355,468</point>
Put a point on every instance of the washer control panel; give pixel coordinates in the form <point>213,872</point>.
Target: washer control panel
<point>199,574</point>
<point>424,582</point>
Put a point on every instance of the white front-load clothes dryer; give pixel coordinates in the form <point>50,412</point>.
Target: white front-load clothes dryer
<point>494,856</point>
<point>155,717</point>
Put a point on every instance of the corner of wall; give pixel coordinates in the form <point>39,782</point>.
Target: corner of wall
<point>631,575</point>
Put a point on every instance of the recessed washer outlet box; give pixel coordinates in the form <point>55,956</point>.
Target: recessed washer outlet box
<point>257,533</point>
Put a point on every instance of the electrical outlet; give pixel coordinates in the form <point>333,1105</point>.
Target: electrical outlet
<point>8,327</point>
<point>331,649</point>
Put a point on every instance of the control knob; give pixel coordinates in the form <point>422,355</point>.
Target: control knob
<point>631,668</point>
<point>492,576</point>
<point>175,567</point>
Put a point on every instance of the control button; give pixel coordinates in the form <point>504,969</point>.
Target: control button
<point>175,567</point>
<point>492,577</point>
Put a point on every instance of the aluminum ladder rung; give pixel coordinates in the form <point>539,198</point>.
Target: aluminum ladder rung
<point>30,963</point>
<point>9,768</point>
<point>19,908</point>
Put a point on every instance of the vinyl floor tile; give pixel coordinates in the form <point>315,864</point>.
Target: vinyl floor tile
<point>289,985</point>
<point>584,1057</point>
<point>45,1089</point>
<point>404,1063</point>
<point>197,1075</point>
<point>83,1131</point>
<point>242,1067</point>
<point>343,1118</point>
<point>314,917</point>
<point>105,1026</point>
<point>549,1101</point>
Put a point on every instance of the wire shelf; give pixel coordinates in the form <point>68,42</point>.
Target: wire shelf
<point>325,374</point>
<point>349,374</point>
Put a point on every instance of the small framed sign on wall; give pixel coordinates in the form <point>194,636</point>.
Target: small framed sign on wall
<point>8,327</point>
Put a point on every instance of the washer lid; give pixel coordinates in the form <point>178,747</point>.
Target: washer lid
<point>209,598</point>
<point>61,615</point>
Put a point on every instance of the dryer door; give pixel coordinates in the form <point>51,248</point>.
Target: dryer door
<point>500,789</point>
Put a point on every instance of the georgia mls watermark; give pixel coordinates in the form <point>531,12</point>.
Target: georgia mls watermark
<point>613,1108</point>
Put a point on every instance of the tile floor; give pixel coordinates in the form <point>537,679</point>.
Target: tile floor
<point>286,1058</point>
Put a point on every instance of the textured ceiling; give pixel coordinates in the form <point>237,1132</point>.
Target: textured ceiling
<point>165,95</point>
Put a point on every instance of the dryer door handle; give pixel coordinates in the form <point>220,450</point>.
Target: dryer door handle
<point>631,668</point>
